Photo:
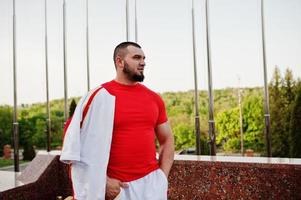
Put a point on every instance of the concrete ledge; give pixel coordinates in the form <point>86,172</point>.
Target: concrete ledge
<point>48,183</point>
<point>192,177</point>
<point>230,180</point>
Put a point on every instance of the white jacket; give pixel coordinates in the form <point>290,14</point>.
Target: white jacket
<point>87,148</point>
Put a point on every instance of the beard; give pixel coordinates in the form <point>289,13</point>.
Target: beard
<point>131,75</point>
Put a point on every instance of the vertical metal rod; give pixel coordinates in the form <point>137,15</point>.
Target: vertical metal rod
<point>240,120</point>
<point>127,20</point>
<point>266,90</point>
<point>87,43</point>
<point>15,115</point>
<point>136,23</point>
<point>65,63</point>
<point>196,94</point>
<point>211,117</point>
<point>47,83</point>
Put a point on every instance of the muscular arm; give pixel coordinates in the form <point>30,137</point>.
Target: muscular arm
<point>166,151</point>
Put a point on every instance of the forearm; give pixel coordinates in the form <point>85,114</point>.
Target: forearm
<point>166,155</point>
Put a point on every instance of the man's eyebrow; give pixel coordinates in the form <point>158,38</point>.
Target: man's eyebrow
<point>139,56</point>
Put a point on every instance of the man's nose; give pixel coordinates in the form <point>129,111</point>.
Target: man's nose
<point>142,63</point>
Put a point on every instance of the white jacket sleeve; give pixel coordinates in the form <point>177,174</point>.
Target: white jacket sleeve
<point>87,148</point>
<point>71,147</point>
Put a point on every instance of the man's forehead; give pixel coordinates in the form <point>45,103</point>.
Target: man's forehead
<point>132,50</point>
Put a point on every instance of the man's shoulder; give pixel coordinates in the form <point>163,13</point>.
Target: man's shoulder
<point>151,92</point>
<point>103,86</point>
<point>93,92</point>
<point>107,84</point>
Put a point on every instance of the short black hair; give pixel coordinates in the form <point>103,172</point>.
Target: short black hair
<point>122,46</point>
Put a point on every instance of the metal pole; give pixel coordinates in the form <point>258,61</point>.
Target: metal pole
<point>87,43</point>
<point>127,20</point>
<point>65,64</point>
<point>266,90</point>
<point>15,115</point>
<point>136,23</point>
<point>240,120</point>
<point>196,94</point>
<point>47,83</point>
<point>211,117</point>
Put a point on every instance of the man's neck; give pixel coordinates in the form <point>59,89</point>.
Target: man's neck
<point>125,81</point>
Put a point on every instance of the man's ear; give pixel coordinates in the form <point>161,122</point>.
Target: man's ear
<point>119,62</point>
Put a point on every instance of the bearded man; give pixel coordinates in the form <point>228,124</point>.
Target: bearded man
<point>110,142</point>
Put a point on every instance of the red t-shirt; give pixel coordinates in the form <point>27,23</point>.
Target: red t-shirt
<point>138,111</point>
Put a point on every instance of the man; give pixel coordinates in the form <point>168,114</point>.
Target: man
<point>129,160</point>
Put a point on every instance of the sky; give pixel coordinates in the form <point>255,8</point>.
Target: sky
<point>165,34</point>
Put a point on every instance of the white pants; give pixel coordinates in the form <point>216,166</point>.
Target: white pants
<point>150,187</point>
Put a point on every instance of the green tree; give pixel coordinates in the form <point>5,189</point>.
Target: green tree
<point>39,135</point>
<point>228,127</point>
<point>289,94</point>
<point>295,128</point>
<point>72,107</point>
<point>276,111</point>
<point>5,126</point>
<point>288,87</point>
<point>180,109</point>
<point>253,119</point>
<point>227,124</point>
<point>26,131</point>
<point>184,136</point>
<point>282,95</point>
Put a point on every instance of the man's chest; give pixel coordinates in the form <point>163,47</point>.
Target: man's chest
<point>135,110</point>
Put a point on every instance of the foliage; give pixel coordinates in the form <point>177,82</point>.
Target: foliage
<point>227,124</point>
<point>28,152</point>
<point>32,126</point>
<point>295,128</point>
<point>6,118</point>
<point>276,110</point>
<point>284,110</point>
<point>282,96</point>
<point>253,123</point>
<point>72,107</point>
<point>8,162</point>
<point>184,136</point>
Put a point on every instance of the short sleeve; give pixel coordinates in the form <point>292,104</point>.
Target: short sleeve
<point>162,117</point>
